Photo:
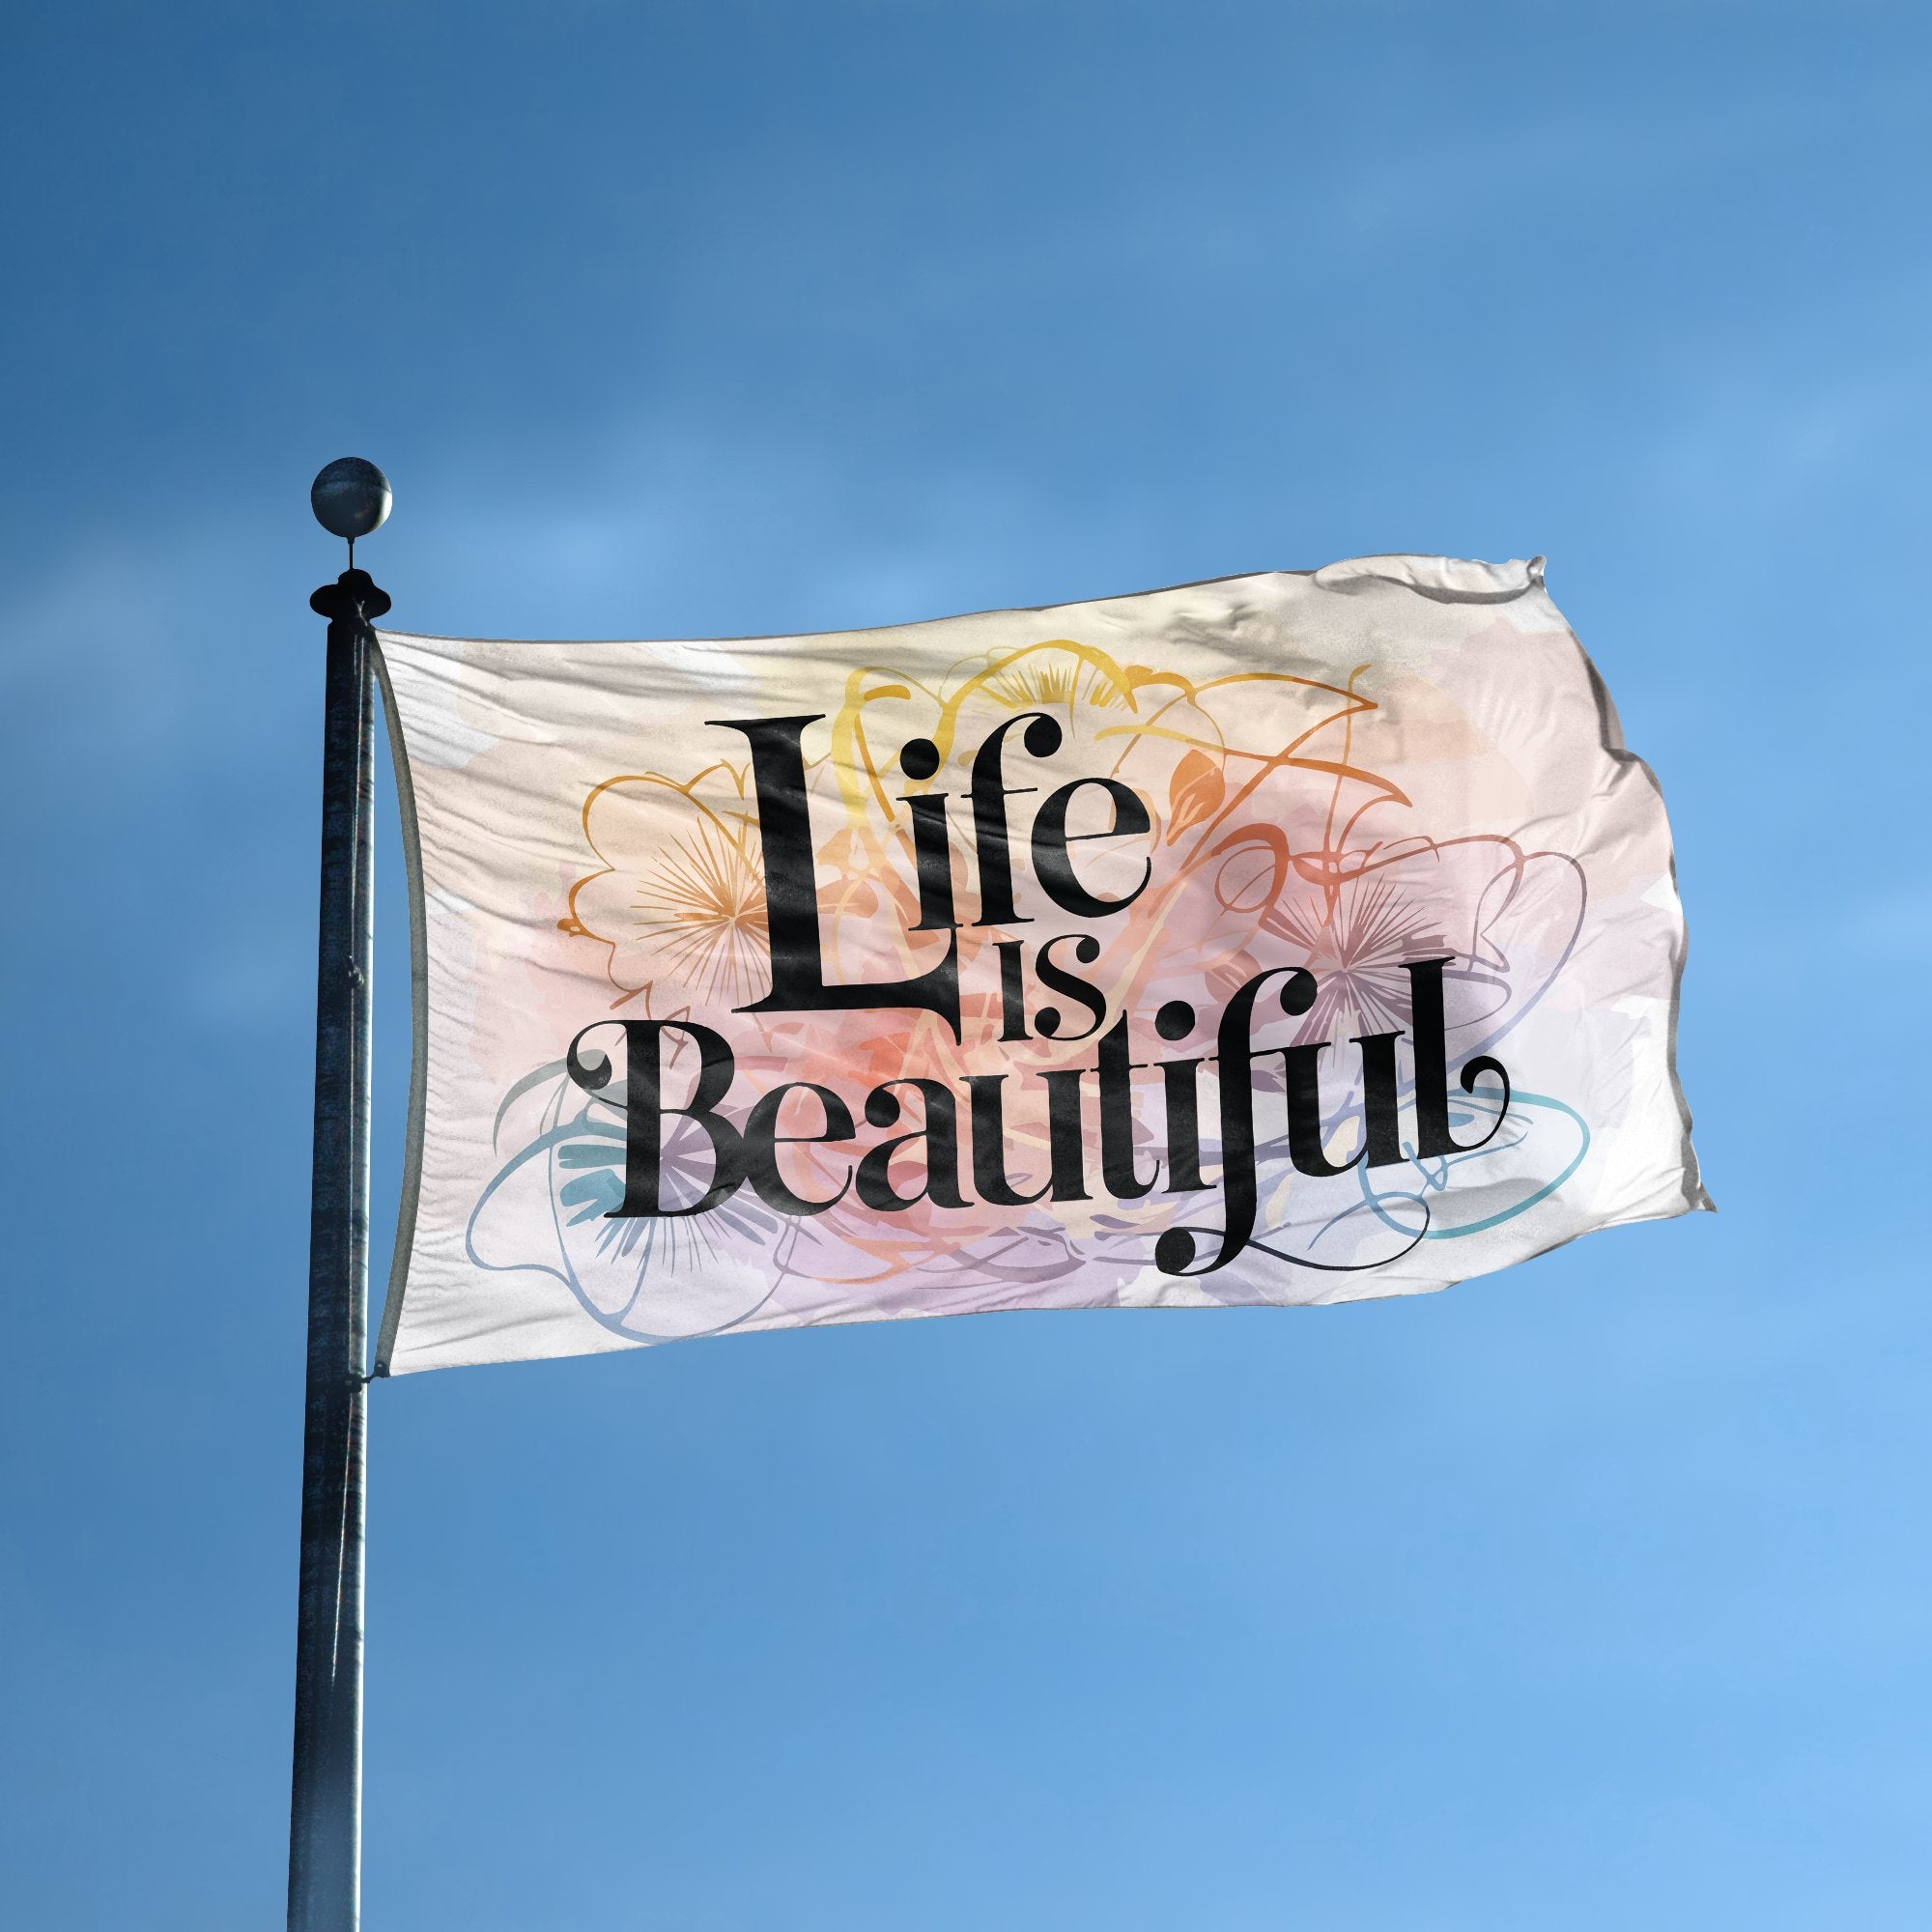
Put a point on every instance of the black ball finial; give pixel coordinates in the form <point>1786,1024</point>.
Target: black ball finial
<point>349,497</point>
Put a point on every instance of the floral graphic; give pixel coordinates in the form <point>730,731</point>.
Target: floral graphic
<point>688,909</point>
<point>1271,840</point>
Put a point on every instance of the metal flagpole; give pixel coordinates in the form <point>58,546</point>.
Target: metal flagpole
<point>351,497</point>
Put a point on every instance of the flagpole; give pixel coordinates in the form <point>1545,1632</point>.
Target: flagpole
<point>351,498</point>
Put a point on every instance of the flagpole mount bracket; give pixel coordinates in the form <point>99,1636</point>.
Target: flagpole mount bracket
<point>354,597</point>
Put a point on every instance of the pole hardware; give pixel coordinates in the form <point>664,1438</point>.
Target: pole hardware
<point>351,497</point>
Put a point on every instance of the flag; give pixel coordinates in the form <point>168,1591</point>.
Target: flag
<point>1287,939</point>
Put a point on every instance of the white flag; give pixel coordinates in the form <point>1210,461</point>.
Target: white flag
<point>1287,939</point>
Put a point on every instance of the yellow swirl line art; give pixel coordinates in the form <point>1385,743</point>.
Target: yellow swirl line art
<point>1123,683</point>
<point>851,764</point>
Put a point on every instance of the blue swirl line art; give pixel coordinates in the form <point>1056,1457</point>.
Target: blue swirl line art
<point>572,1142</point>
<point>1439,1183</point>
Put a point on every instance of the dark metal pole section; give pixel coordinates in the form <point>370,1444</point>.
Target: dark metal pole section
<point>326,1816</point>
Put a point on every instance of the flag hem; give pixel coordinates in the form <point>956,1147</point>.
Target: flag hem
<point>1696,1196</point>
<point>411,1188</point>
<point>1491,591</point>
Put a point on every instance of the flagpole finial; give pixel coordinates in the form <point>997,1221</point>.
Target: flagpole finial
<point>349,497</point>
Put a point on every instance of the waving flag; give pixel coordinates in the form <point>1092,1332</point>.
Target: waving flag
<point>1287,939</point>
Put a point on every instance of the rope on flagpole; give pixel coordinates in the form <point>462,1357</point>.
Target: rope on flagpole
<point>351,497</point>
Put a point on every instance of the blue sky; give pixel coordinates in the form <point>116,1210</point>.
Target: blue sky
<point>1597,1594</point>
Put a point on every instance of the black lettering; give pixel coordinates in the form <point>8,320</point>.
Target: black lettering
<point>1058,980</point>
<point>1302,1067</point>
<point>1054,867</point>
<point>989,1143</point>
<point>1381,1115</point>
<point>1173,1253</point>
<point>791,893</point>
<point>644,1111</point>
<point>990,793</point>
<point>941,1135</point>
<point>1432,1138</point>
<point>1067,1132</point>
<point>762,1141</point>
<point>1117,1119</point>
